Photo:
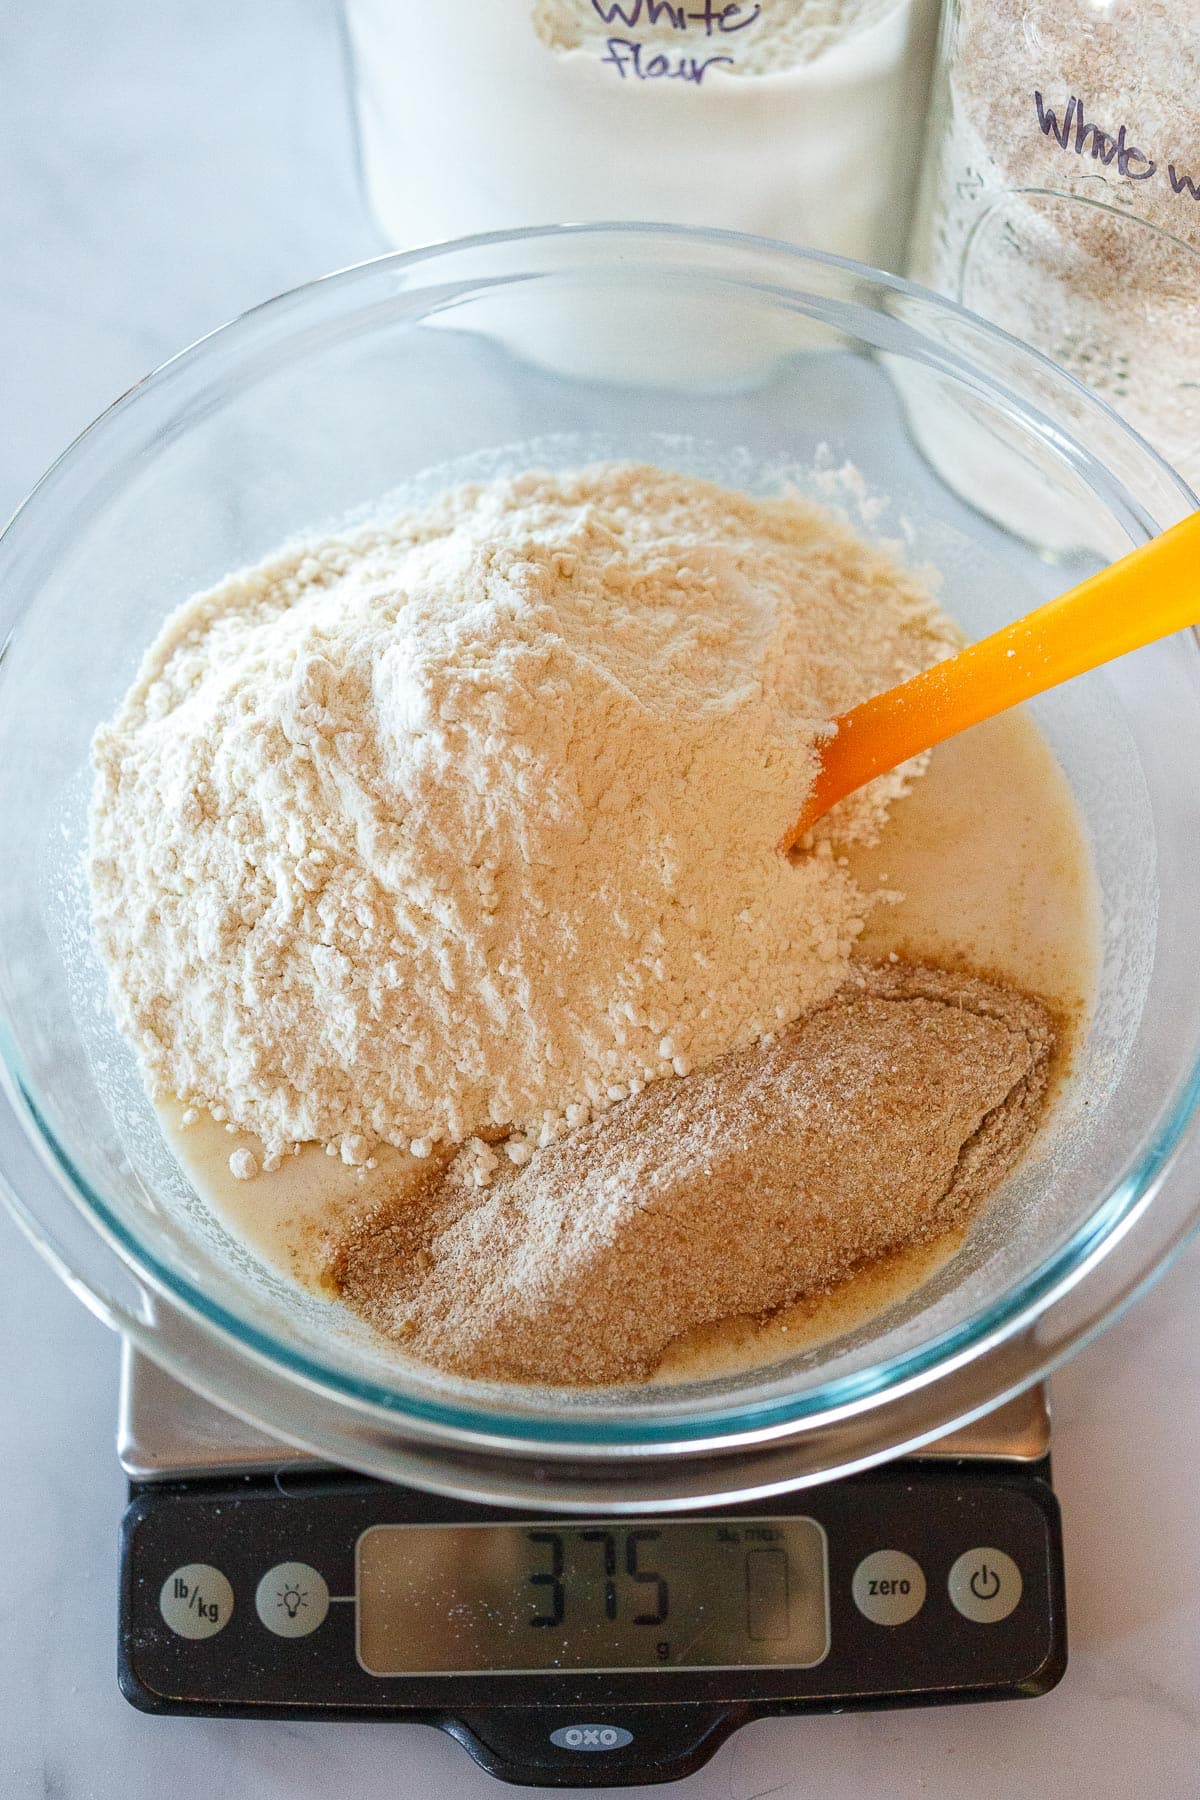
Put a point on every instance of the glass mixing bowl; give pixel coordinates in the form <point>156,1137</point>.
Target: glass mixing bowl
<point>732,357</point>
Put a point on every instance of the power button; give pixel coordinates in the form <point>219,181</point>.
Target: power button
<point>985,1585</point>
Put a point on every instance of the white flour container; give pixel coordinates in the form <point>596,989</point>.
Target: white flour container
<point>798,119</point>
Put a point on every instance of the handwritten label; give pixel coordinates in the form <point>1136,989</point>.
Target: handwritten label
<point>707,37</point>
<point>1077,135</point>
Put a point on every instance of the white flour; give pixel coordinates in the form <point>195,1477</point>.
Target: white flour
<point>466,824</point>
<point>752,40</point>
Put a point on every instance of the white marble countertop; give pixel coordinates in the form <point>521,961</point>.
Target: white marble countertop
<point>161,167</point>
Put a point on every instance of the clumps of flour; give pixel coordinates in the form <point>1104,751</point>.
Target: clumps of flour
<point>461,829</point>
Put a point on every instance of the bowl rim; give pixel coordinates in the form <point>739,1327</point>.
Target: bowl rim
<point>589,1433</point>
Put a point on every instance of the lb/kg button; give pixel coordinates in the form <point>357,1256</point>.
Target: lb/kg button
<point>985,1585</point>
<point>196,1601</point>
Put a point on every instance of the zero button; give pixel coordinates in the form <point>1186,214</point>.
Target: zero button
<point>889,1587</point>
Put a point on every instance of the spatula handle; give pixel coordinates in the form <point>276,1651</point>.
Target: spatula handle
<point>1149,594</point>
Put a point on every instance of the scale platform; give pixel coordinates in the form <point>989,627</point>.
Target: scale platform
<point>564,1651</point>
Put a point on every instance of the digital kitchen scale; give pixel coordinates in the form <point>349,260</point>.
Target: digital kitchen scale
<point>567,1651</point>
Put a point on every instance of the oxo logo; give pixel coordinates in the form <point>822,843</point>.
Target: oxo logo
<point>591,1737</point>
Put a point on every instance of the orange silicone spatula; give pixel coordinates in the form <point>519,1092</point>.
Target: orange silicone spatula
<point>1148,594</point>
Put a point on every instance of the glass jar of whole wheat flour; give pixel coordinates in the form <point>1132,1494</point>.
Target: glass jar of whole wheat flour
<point>799,119</point>
<point>1061,194</point>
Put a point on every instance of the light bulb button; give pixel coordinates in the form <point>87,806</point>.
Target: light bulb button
<point>292,1599</point>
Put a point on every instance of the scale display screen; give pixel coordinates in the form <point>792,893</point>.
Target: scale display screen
<point>527,1598</point>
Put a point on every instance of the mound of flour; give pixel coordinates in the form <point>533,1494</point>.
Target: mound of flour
<point>465,825</point>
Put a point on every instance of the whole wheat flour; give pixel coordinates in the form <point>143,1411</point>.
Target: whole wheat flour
<point>1062,196</point>
<point>464,826</point>
<point>879,1120</point>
